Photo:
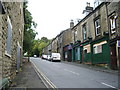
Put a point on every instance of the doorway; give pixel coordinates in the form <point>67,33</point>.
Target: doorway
<point>113,54</point>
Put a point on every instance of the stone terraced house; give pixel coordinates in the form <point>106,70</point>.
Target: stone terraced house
<point>11,38</point>
<point>93,40</point>
<point>95,36</point>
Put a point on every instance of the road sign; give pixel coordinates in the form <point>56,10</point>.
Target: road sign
<point>118,43</point>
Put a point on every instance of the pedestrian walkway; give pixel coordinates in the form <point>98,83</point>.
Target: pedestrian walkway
<point>94,67</point>
<point>27,78</point>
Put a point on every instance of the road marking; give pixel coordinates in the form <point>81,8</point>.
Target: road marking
<point>108,85</point>
<point>45,78</point>
<point>72,72</point>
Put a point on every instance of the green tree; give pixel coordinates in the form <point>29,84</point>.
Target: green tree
<point>41,46</point>
<point>29,32</point>
<point>38,45</point>
<point>44,39</point>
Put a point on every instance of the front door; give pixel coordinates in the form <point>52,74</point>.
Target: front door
<point>76,54</point>
<point>83,56</point>
<point>70,55</point>
<point>113,61</point>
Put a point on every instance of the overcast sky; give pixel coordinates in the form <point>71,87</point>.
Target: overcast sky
<point>53,16</point>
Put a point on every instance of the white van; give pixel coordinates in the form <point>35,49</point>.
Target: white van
<point>55,57</point>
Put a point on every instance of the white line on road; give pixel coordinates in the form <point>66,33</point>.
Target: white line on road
<point>72,72</point>
<point>108,85</point>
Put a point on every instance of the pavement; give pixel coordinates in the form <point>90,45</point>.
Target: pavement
<point>94,67</point>
<point>27,79</point>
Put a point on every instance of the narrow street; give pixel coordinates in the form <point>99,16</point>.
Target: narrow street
<point>64,75</point>
<point>84,35</point>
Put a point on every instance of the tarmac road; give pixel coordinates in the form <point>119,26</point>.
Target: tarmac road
<point>64,75</point>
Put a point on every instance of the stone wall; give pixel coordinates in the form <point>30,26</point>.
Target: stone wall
<point>67,37</point>
<point>89,21</point>
<point>14,10</point>
<point>54,44</point>
<point>114,8</point>
<point>0,47</point>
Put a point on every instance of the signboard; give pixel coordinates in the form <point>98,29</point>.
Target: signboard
<point>118,43</point>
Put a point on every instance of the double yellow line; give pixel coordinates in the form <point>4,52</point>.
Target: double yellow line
<point>44,79</point>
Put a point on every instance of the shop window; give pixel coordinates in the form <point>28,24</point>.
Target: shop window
<point>113,23</point>
<point>97,49</point>
<point>84,32</point>
<point>97,27</point>
<point>87,48</point>
<point>9,38</point>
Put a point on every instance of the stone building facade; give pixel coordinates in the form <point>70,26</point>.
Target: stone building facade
<point>45,51</point>
<point>67,37</point>
<point>86,30</point>
<point>64,38</point>
<point>54,44</point>
<point>92,37</point>
<point>59,42</point>
<point>113,11</point>
<point>49,48</point>
<point>11,38</point>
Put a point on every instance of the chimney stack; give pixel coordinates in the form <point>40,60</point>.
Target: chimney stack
<point>88,9</point>
<point>71,24</point>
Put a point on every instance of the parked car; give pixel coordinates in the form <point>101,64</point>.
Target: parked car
<point>35,56</point>
<point>44,56</point>
<point>48,57</point>
<point>55,57</point>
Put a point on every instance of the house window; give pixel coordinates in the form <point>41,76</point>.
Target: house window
<point>97,49</point>
<point>2,10</point>
<point>9,38</point>
<point>97,27</point>
<point>113,23</point>
<point>84,32</point>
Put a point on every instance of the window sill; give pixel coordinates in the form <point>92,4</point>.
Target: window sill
<point>97,36</point>
<point>7,54</point>
<point>113,32</point>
